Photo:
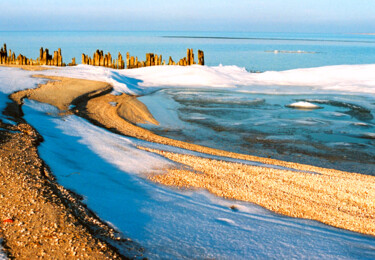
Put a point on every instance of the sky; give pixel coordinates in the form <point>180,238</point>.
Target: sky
<point>316,16</point>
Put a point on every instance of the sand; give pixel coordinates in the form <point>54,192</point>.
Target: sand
<point>38,217</point>
<point>344,200</point>
<point>126,107</point>
<point>60,92</point>
<point>337,198</point>
<point>101,112</point>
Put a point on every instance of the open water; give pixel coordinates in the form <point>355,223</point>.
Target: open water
<point>254,51</point>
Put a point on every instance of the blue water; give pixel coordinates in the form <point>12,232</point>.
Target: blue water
<point>249,50</point>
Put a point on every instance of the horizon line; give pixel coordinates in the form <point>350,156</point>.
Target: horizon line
<point>224,31</point>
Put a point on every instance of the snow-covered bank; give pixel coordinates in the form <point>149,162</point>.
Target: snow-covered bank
<point>341,78</point>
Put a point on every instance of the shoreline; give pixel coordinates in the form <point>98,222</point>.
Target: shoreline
<point>39,217</point>
<point>280,191</point>
<point>348,196</point>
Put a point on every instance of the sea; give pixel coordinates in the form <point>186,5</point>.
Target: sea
<point>253,51</point>
<point>337,132</point>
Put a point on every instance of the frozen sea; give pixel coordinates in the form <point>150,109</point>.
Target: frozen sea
<point>314,104</point>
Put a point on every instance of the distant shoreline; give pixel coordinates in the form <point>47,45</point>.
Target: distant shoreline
<point>260,38</point>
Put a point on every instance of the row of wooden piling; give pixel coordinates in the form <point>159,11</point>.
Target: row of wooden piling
<point>9,58</point>
<point>105,60</point>
<point>98,59</point>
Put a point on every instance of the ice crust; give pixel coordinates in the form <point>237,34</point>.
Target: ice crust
<point>303,105</point>
<point>340,78</point>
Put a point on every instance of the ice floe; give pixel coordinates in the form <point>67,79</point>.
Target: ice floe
<point>303,105</point>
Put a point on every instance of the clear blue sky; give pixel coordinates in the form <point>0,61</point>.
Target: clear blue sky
<point>192,15</point>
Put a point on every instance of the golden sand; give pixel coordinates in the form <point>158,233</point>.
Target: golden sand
<point>100,110</point>
<point>129,108</point>
<point>40,219</point>
<point>334,197</point>
<point>345,201</point>
<point>60,92</point>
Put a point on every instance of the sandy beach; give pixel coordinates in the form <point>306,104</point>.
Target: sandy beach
<point>340,199</point>
<point>333,197</point>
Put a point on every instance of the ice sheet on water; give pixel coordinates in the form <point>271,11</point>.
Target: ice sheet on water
<point>303,105</point>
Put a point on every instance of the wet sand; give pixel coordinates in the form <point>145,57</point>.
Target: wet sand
<point>340,199</point>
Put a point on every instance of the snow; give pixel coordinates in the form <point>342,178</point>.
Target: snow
<point>2,253</point>
<point>108,146</point>
<point>303,105</point>
<point>13,79</point>
<point>340,78</point>
<point>109,171</point>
